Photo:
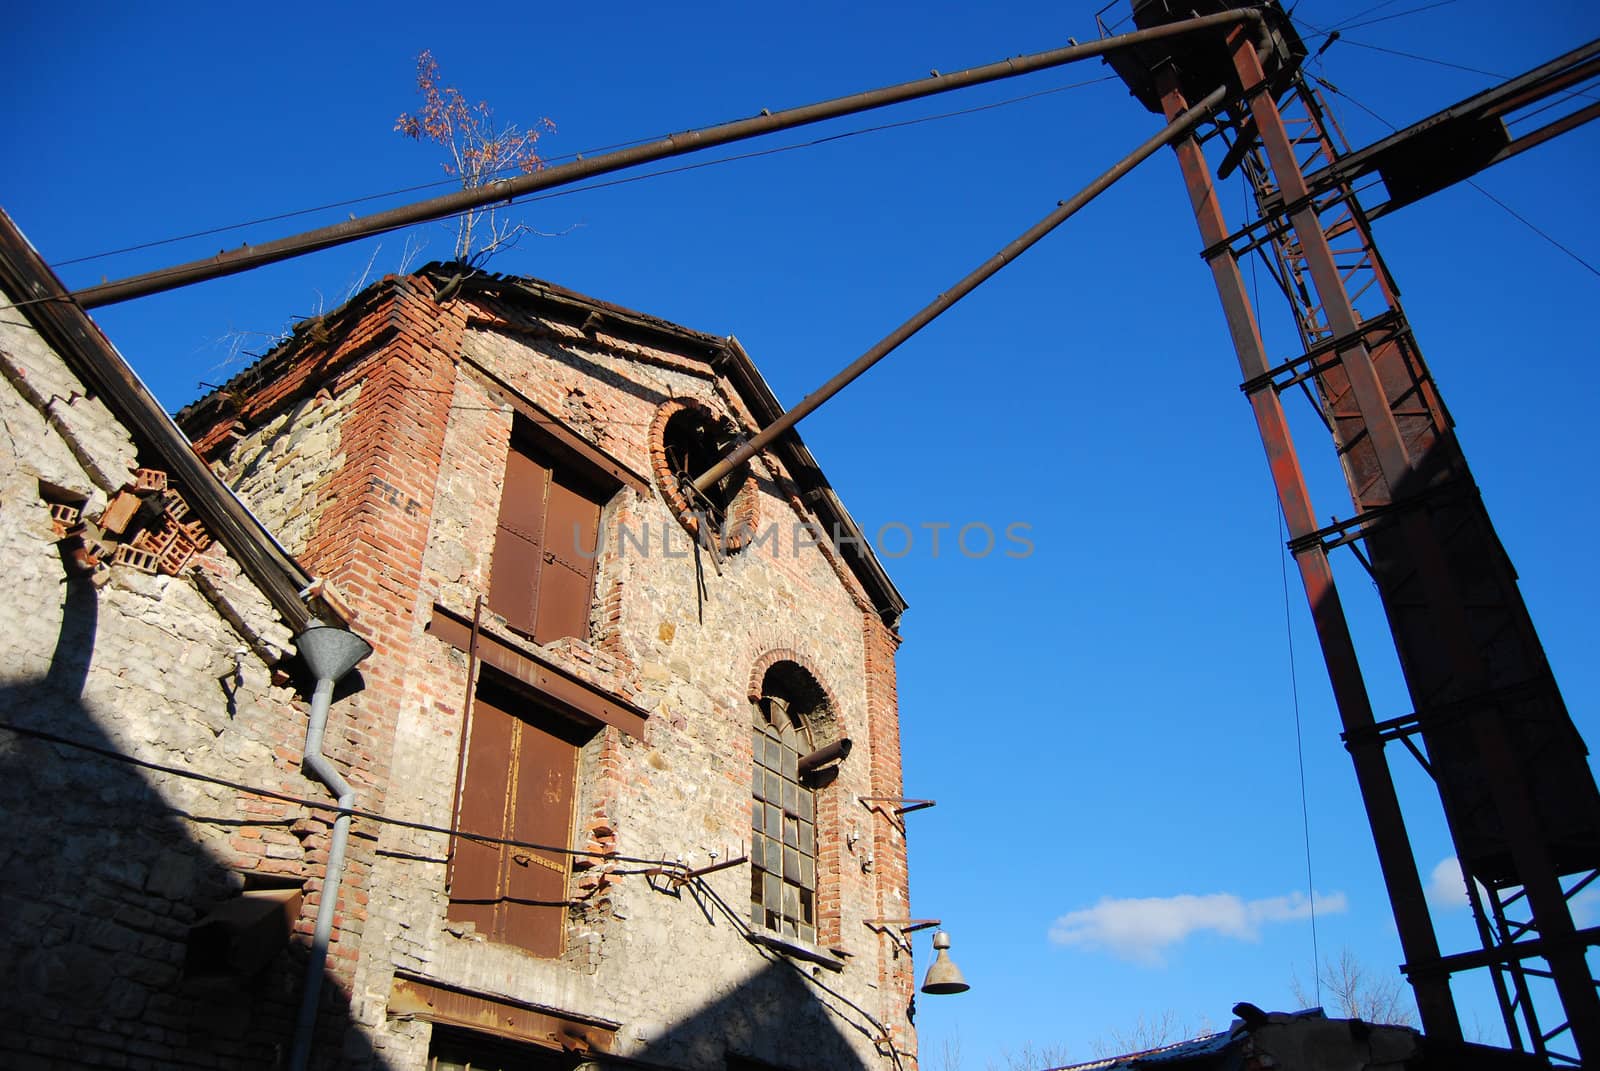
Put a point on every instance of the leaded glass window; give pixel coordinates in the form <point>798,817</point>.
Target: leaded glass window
<point>783,832</point>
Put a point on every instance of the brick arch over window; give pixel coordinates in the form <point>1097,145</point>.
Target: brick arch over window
<point>758,678</point>
<point>794,840</point>
<point>738,498</point>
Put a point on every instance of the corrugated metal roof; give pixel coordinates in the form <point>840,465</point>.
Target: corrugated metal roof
<point>1195,1048</point>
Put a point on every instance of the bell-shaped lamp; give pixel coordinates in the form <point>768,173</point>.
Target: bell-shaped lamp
<point>943,976</point>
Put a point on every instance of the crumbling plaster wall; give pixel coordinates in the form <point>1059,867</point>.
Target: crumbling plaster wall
<point>652,960</point>
<point>106,865</point>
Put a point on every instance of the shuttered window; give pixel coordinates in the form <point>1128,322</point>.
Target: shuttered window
<point>519,783</point>
<point>542,575</point>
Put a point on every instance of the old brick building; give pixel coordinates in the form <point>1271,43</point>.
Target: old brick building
<point>632,705</point>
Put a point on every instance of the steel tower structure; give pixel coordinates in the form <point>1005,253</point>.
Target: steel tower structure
<point>1494,733</point>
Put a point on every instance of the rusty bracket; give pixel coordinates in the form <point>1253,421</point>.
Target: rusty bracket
<point>906,805</point>
<point>899,928</point>
<point>683,877</point>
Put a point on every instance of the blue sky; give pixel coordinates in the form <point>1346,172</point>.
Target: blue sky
<point>1108,724</point>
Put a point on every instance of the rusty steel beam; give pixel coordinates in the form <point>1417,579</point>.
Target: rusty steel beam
<point>231,262</point>
<point>1376,783</point>
<point>1480,115</point>
<point>1428,567</point>
<point>63,324</point>
<point>1065,210</point>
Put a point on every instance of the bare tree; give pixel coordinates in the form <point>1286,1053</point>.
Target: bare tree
<point>1146,1033</point>
<point>1030,1057</point>
<point>948,1058</point>
<point>479,151</point>
<point>1351,991</point>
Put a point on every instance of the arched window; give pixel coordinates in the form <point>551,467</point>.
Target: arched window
<point>783,811</point>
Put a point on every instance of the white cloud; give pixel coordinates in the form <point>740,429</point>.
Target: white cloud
<point>1140,928</point>
<point>1446,891</point>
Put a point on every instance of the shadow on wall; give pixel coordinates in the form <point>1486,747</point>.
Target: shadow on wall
<point>774,1019</point>
<point>100,882</point>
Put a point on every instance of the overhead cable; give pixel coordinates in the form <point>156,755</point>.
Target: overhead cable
<point>400,191</point>
<point>320,805</point>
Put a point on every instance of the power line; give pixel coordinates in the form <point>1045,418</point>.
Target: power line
<point>1532,227</point>
<point>373,816</point>
<point>566,191</point>
<point>1294,684</point>
<point>365,198</point>
<point>1423,59</point>
<point>1350,24</point>
<point>1299,744</point>
<point>1339,30</point>
<point>1360,14</point>
<point>320,805</point>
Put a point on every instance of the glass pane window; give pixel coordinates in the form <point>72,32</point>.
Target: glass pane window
<point>783,838</point>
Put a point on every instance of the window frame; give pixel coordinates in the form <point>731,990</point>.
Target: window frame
<point>790,709</point>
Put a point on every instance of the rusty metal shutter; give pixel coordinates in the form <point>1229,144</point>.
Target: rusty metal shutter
<point>476,868</point>
<point>519,540</point>
<point>542,574</point>
<point>519,784</point>
<point>536,881</point>
<point>566,583</point>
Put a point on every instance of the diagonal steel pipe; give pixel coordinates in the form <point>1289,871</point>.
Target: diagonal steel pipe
<point>233,261</point>
<point>1064,210</point>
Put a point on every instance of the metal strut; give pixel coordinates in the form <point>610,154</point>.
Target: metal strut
<point>233,261</point>
<point>1517,792</point>
<point>1065,210</point>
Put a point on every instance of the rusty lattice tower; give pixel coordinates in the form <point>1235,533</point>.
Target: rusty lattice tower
<point>1488,723</point>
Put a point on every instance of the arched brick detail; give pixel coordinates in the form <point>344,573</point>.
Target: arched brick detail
<point>825,725</point>
<point>758,675</point>
<point>744,513</point>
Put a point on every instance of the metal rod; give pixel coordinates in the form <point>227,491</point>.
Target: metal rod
<point>1064,210</point>
<point>466,720</point>
<point>903,925</point>
<point>682,877</point>
<point>230,262</point>
<point>839,749</point>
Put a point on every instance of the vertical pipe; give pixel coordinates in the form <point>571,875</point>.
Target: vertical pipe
<point>318,766</point>
<point>331,653</point>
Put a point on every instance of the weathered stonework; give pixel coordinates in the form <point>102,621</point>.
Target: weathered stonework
<point>108,863</point>
<point>283,467</point>
<point>376,443</point>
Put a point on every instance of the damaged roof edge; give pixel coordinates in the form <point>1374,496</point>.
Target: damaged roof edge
<point>723,354</point>
<point>728,356</point>
<point>886,598</point>
<point>67,329</point>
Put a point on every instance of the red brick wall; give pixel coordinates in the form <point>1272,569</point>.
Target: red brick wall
<point>896,976</point>
<point>369,544</point>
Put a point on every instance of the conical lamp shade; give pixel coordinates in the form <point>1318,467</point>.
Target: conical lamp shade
<point>943,976</point>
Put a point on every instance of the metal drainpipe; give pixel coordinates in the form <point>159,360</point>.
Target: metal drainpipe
<point>330,653</point>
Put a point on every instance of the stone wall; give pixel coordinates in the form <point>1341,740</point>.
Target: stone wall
<point>410,494</point>
<point>284,465</point>
<point>107,863</point>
